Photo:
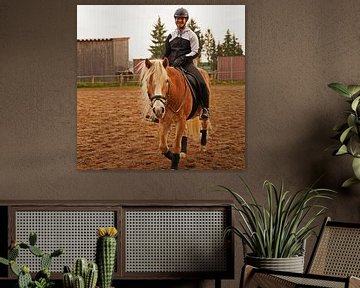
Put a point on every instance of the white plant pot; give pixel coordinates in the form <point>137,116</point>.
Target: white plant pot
<point>291,264</point>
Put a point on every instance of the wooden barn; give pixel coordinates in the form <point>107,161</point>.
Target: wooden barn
<point>102,56</point>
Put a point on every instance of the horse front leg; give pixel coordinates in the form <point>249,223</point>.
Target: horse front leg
<point>180,128</point>
<point>164,129</point>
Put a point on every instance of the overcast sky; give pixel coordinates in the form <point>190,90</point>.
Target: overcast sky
<point>137,22</point>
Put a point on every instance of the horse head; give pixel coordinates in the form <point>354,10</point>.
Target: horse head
<point>156,82</point>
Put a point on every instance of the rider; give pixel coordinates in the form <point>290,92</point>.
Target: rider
<point>181,47</point>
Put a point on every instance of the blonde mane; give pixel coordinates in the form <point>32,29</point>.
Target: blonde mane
<point>156,72</point>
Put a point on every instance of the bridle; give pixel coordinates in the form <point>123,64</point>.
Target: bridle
<point>161,98</point>
<point>164,99</point>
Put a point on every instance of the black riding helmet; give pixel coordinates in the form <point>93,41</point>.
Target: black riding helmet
<point>181,12</point>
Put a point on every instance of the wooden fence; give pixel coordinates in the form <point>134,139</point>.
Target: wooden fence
<point>133,79</point>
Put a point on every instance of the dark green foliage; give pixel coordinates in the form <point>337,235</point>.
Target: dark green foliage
<point>32,239</point>
<point>158,35</point>
<point>4,261</point>
<point>57,252</point>
<point>279,228</point>
<point>348,133</point>
<point>24,280</point>
<point>45,261</point>
<point>13,253</point>
<point>210,49</point>
<point>42,278</point>
<point>36,251</point>
<point>194,27</point>
<point>14,268</point>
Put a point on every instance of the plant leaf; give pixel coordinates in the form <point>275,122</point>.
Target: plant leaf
<point>349,182</point>
<point>342,150</point>
<point>353,89</point>
<point>341,89</point>
<point>345,134</point>
<point>355,103</point>
<point>356,167</point>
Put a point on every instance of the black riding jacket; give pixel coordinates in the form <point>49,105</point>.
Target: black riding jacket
<point>183,44</point>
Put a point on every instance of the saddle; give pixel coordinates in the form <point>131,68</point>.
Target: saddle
<point>195,91</point>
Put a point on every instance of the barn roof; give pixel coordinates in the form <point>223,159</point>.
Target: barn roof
<point>104,39</point>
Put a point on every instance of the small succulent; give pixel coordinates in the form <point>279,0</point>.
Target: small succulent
<point>84,275</point>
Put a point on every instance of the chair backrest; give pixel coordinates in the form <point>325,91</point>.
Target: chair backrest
<point>337,251</point>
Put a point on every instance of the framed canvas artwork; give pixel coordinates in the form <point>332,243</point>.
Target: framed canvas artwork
<point>161,87</point>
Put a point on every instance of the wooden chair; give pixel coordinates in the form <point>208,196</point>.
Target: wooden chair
<point>335,262</point>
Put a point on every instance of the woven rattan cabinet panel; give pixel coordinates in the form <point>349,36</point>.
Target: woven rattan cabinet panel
<point>74,231</point>
<point>175,241</point>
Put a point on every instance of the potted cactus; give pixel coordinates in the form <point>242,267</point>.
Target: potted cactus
<point>42,278</point>
<point>85,274</point>
<point>106,254</point>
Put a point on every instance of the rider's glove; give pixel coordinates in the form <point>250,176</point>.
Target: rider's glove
<point>179,61</point>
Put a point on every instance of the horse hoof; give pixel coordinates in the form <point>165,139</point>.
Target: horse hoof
<point>202,148</point>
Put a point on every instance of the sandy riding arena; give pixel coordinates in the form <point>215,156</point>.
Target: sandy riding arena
<point>112,132</point>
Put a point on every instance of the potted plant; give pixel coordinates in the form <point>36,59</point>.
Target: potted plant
<point>348,132</point>
<point>42,278</point>
<point>275,233</point>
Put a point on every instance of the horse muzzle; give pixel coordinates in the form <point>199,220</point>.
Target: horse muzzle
<point>158,103</point>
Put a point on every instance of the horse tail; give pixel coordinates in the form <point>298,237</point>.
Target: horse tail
<point>193,128</point>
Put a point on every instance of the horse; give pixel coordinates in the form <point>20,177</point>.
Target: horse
<point>171,101</point>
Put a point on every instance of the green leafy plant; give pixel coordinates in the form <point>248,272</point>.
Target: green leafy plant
<point>42,278</point>
<point>279,229</point>
<point>348,132</point>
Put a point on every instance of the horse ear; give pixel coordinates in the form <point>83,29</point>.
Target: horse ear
<point>165,62</point>
<point>147,63</point>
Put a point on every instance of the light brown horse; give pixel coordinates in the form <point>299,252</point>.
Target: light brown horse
<point>171,100</point>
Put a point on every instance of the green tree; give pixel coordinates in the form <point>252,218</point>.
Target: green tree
<point>230,46</point>
<point>219,49</point>
<point>227,44</point>
<point>158,36</point>
<point>210,49</point>
<point>235,45</point>
<point>194,27</point>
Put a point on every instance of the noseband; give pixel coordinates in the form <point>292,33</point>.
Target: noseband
<point>161,98</point>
